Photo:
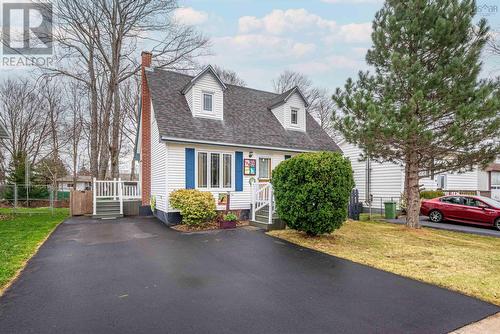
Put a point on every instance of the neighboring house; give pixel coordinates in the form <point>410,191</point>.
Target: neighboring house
<point>66,183</point>
<point>385,181</point>
<point>3,133</point>
<point>490,179</point>
<point>199,133</point>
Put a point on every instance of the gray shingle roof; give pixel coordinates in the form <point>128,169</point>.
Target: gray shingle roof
<point>247,118</point>
<point>3,132</point>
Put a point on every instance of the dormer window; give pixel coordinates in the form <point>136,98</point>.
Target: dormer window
<point>294,116</point>
<point>208,102</point>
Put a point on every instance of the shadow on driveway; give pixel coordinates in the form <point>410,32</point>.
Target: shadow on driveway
<point>138,276</point>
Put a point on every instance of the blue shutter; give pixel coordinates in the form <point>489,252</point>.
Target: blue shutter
<point>189,168</point>
<point>238,165</point>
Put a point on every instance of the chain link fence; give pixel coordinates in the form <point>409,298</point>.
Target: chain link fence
<point>32,199</point>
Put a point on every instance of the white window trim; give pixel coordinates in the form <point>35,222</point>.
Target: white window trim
<point>299,126</point>
<point>203,110</point>
<point>270,167</point>
<point>209,188</point>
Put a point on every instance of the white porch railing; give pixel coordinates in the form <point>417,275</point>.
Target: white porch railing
<point>262,196</point>
<point>116,190</point>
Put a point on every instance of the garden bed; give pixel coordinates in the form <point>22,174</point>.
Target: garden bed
<point>205,227</point>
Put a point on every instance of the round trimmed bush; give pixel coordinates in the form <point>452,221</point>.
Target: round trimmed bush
<point>196,206</point>
<point>312,191</point>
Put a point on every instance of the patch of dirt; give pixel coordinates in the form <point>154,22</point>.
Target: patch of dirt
<point>4,217</point>
<point>205,227</point>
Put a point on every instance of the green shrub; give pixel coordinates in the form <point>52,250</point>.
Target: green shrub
<point>312,191</point>
<point>231,217</point>
<point>196,206</point>
<point>430,194</point>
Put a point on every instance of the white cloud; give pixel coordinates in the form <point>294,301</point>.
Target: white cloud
<point>328,63</point>
<point>263,46</point>
<point>356,32</point>
<point>190,16</point>
<point>282,21</point>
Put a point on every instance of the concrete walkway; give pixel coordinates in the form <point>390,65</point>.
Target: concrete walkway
<point>452,226</point>
<point>138,276</point>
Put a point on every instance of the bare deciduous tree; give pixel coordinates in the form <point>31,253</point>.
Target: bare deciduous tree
<point>99,43</point>
<point>229,77</point>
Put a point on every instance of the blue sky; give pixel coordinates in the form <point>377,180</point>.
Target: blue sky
<point>325,39</point>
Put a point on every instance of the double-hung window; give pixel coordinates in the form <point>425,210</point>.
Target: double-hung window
<point>215,170</point>
<point>294,116</point>
<point>208,102</point>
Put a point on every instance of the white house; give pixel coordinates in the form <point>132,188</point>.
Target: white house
<point>66,183</point>
<point>385,181</point>
<point>196,132</point>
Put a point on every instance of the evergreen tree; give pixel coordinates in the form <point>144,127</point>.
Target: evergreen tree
<point>424,106</point>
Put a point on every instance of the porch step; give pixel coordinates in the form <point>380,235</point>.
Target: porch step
<point>276,225</point>
<point>108,209</point>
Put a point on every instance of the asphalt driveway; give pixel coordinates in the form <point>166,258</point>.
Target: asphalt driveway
<point>138,276</point>
<point>453,226</point>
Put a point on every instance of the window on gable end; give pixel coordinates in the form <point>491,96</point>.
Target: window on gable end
<point>208,102</point>
<point>294,116</point>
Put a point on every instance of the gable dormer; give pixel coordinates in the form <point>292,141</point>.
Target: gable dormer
<point>290,109</point>
<point>205,95</point>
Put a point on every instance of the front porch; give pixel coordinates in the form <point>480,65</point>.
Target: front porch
<point>115,198</point>
<point>263,209</point>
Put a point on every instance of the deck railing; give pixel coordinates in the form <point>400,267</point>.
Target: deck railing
<point>262,196</point>
<point>116,190</point>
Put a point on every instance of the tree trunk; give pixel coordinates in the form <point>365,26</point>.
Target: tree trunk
<point>115,138</point>
<point>413,193</point>
<point>132,170</point>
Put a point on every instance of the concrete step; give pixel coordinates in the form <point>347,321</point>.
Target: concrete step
<point>107,216</point>
<point>276,225</point>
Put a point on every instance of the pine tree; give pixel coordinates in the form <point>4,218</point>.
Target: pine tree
<point>424,106</point>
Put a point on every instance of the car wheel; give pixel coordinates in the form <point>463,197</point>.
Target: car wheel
<point>435,216</point>
<point>497,224</point>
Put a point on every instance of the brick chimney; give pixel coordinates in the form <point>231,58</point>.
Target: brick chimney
<point>145,131</point>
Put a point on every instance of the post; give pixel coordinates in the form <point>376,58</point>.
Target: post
<point>15,197</point>
<point>270,221</point>
<point>252,189</point>
<point>120,194</point>
<point>94,195</point>
<point>51,198</point>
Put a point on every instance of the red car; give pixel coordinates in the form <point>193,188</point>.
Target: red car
<point>464,209</point>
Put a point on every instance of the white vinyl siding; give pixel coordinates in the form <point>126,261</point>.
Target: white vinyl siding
<point>283,113</point>
<point>295,102</point>
<point>239,199</point>
<point>206,84</point>
<point>462,181</point>
<point>158,166</point>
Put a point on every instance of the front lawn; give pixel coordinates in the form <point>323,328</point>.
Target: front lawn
<point>462,262</point>
<point>20,237</point>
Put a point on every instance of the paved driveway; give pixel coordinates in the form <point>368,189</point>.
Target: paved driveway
<point>453,226</point>
<point>138,276</point>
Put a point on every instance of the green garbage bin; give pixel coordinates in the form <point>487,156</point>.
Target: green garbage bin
<point>390,210</point>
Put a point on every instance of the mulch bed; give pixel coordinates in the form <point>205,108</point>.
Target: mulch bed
<point>205,227</point>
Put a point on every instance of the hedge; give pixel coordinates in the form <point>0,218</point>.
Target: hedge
<point>312,191</point>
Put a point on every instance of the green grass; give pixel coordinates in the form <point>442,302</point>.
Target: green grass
<point>466,263</point>
<point>20,237</point>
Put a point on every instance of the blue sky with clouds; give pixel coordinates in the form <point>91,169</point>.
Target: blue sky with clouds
<point>325,39</point>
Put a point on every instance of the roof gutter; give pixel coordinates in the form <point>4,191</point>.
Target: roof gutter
<point>195,141</point>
